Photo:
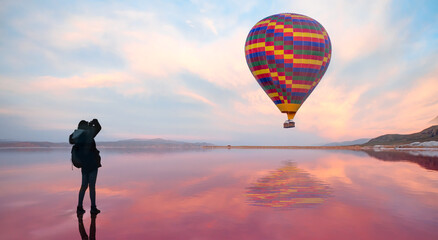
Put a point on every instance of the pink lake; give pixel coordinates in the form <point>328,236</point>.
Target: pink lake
<point>223,194</point>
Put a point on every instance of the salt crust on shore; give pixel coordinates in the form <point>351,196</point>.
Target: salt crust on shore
<point>424,144</point>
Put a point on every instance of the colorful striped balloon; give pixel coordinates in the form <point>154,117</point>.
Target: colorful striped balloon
<point>288,54</point>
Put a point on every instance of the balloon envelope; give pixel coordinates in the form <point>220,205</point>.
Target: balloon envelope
<point>288,54</point>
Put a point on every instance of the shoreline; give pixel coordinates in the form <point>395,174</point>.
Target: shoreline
<point>285,147</point>
<point>351,147</point>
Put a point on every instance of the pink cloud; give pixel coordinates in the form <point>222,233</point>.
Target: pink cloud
<point>195,96</point>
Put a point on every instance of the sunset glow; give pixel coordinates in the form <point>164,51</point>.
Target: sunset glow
<point>178,70</point>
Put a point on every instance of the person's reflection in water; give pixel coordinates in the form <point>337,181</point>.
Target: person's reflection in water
<point>85,149</point>
<point>82,231</point>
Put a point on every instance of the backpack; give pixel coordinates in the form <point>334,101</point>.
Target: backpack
<point>76,138</point>
<point>76,156</point>
<point>84,155</point>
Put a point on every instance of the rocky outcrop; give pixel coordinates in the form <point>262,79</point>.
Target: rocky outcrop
<point>428,134</point>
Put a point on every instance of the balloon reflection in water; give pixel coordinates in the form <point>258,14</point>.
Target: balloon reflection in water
<point>286,188</point>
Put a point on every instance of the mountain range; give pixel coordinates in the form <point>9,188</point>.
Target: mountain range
<point>428,134</point>
<point>434,121</point>
<point>348,143</point>
<point>130,143</point>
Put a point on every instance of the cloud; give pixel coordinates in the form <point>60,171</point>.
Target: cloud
<point>375,83</point>
<point>210,25</point>
<point>116,80</point>
<point>137,59</point>
<point>331,110</point>
<point>195,96</point>
<point>167,52</point>
<point>121,82</point>
<point>406,109</point>
<point>339,112</point>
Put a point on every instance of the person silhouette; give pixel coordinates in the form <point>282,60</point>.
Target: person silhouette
<point>82,230</point>
<point>85,149</point>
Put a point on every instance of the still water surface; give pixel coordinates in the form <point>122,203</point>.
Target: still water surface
<point>223,194</point>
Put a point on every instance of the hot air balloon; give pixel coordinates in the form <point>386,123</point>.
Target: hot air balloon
<point>288,54</point>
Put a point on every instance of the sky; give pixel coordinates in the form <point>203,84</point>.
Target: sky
<point>177,70</point>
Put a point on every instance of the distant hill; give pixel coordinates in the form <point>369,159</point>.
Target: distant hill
<point>434,121</point>
<point>26,144</point>
<point>428,134</point>
<point>131,143</point>
<point>157,142</point>
<point>348,143</point>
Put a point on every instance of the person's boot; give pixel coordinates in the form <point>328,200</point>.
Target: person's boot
<point>80,210</point>
<point>94,210</point>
